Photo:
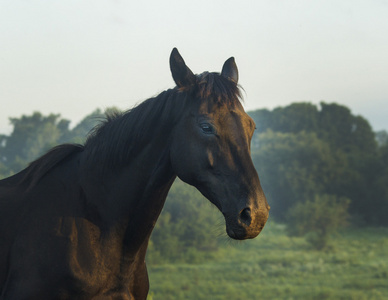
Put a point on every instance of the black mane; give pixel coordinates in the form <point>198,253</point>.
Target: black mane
<point>117,139</point>
<point>122,135</point>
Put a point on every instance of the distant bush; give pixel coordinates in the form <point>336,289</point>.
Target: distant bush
<point>318,219</point>
<point>186,230</point>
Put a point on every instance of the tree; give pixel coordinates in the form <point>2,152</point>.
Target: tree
<point>31,137</point>
<point>378,206</point>
<point>294,167</point>
<point>186,226</point>
<point>344,131</point>
<point>294,118</point>
<point>351,156</point>
<point>318,218</point>
<point>382,138</point>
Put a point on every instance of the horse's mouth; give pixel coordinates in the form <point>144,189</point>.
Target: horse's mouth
<point>236,234</point>
<point>242,233</point>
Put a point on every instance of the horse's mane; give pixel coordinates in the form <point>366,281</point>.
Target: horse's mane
<point>115,140</point>
<point>121,135</point>
<point>40,167</point>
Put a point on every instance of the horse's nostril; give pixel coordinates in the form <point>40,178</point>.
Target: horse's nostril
<point>245,216</point>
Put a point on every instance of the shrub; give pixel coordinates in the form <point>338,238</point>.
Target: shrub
<point>318,219</point>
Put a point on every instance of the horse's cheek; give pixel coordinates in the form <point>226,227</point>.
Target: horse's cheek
<point>185,161</point>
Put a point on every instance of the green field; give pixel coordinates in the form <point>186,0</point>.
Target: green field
<point>275,266</point>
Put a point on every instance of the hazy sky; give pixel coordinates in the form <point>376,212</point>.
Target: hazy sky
<point>71,57</point>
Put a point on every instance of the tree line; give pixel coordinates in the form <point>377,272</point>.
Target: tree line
<point>321,167</point>
<point>302,151</point>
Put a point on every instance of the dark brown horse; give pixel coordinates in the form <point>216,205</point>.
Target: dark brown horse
<point>75,224</point>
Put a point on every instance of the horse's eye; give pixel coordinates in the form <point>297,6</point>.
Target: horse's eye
<point>207,128</point>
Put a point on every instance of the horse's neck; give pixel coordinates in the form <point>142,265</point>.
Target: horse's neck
<point>153,192</point>
<point>130,201</point>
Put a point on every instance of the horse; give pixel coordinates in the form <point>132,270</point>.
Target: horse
<point>75,224</point>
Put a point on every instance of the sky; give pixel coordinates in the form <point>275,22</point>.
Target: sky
<point>71,57</point>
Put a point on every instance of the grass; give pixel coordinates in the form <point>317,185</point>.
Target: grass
<point>275,266</point>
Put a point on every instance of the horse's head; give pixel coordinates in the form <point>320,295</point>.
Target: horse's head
<point>211,147</point>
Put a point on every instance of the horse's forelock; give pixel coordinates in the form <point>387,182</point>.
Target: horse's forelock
<point>217,87</point>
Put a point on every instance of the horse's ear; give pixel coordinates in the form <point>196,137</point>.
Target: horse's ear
<point>229,70</point>
<point>182,75</point>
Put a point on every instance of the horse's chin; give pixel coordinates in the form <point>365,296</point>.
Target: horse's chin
<point>236,236</point>
<point>240,233</point>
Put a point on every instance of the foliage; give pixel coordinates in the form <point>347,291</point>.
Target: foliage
<point>301,150</point>
<point>293,118</point>
<point>185,228</point>
<point>31,136</point>
<point>294,167</point>
<point>333,123</point>
<point>318,219</point>
<point>380,191</point>
<point>344,131</point>
<point>382,138</point>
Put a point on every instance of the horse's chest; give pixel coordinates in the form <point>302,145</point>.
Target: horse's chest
<point>88,258</point>
<point>70,258</point>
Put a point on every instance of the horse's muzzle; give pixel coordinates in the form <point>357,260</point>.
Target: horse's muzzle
<point>247,224</point>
